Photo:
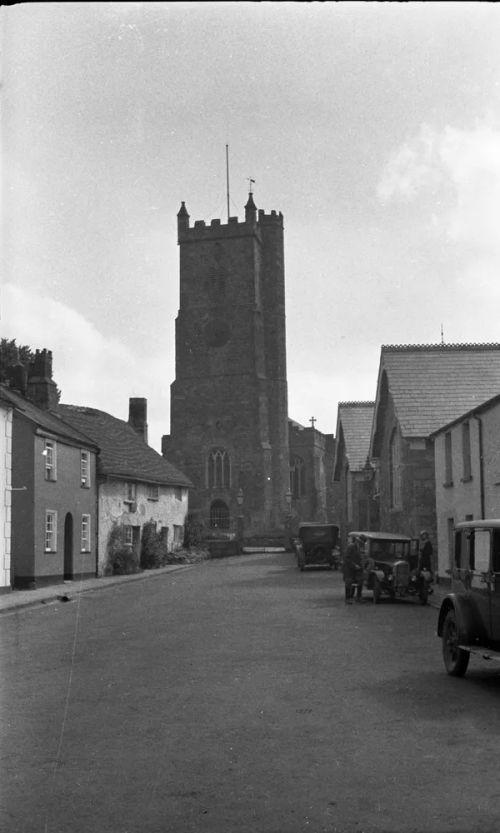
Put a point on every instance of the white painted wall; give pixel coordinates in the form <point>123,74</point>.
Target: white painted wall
<point>463,498</point>
<point>5,495</point>
<point>168,511</point>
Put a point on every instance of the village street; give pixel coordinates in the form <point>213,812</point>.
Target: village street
<point>241,695</point>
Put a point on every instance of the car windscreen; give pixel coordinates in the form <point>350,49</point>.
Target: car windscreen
<point>390,550</point>
<point>321,535</point>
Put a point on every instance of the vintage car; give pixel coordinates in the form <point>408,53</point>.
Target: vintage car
<point>316,544</point>
<point>390,566</point>
<point>469,616</point>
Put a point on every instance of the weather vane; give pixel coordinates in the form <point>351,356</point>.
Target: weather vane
<point>250,183</point>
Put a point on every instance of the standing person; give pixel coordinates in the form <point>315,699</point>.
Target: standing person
<point>425,554</point>
<point>425,557</point>
<point>352,570</point>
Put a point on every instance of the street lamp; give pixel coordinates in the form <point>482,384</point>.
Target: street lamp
<point>240,520</point>
<point>288,500</point>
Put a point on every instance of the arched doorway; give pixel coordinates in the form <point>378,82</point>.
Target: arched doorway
<point>219,515</point>
<point>68,547</point>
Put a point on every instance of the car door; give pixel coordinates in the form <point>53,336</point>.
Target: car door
<point>495,585</point>
<point>477,554</point>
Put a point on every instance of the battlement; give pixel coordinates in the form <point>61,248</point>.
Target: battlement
<point>251,225</point>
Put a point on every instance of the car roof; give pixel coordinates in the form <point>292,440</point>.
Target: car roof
<point>318,525</point>
<point>480,524</point>
<point>382,536</point>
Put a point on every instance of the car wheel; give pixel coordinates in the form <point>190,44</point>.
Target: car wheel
<point>455,659</point>
<point>377,591</point>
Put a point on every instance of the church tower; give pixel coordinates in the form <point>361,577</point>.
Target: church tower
<point>229,403</point>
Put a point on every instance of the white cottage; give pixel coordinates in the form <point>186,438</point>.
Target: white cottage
<point>467,461</point>
<point>136,485</point>
<point>5,493</point>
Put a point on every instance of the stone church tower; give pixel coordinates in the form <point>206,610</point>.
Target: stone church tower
<point>229,404</point>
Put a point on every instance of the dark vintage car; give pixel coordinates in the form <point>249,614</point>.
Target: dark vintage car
<point>316,544</point>
<point>469,617</point>
<point>390,563</point>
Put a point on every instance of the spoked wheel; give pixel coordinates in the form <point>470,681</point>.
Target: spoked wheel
<point>377,592</point>
<point>455,659</point>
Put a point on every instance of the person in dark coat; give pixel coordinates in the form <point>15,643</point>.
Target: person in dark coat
<point>425,559</point>
<point>353,570</point>
<point>425,554</point>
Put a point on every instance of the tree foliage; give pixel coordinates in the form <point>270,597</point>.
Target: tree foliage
<point>12,354</point>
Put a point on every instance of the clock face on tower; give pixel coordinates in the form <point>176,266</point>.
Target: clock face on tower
<point>217,333</point>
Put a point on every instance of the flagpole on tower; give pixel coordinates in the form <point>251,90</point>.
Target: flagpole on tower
<point>227,180</point>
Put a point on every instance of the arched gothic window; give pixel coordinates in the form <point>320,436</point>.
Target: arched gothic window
<point>297,477</point>
<point>395,470</point>
<point>219,515</point>
<point>219,469</point>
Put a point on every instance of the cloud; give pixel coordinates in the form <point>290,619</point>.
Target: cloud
<point>89,368</point>
<point>461,168</point>
<point>412,168</point>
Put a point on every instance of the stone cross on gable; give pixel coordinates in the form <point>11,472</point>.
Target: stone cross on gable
<point>313,421</point>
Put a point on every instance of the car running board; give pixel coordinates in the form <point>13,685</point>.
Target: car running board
<point>485,653</point>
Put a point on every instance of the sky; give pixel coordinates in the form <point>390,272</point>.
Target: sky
<point>373,127</point>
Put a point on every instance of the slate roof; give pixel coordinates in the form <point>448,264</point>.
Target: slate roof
<point>434,384</point>
<point>478,409</point>
<point>122,452</point>
<point>45,419</point>
<point>354,421</point>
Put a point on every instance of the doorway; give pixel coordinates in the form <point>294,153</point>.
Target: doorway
<point>68,547</point>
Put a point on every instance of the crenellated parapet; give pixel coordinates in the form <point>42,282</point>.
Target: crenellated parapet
<point>216,229</point>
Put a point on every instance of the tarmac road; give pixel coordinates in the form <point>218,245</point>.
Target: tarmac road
<point>241,696</point>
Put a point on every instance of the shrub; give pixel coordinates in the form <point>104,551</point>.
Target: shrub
<point>193,532</point>
<point>122,560</point>
<point>154,552</point>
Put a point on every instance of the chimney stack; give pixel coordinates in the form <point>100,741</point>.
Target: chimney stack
<point>42,390</point>
<point>138,416</point>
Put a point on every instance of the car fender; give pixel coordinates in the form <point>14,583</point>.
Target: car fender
<point>470,627</point>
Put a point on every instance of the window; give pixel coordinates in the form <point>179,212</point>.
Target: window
<point>395,471</point>
<point>482,550</point>
<point>178,493</point>
<point>467,472</point>
<point>297,477</point>
<point>448,465</point>
<point>129,535</point>
<point>50,460</point>
<point>131,497</point>
<point>219,469</point>
<point>50,531</point>
<point>219,515</point>
<point>85,469</point>
<point>153,491</point>
<point>85,533</point>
